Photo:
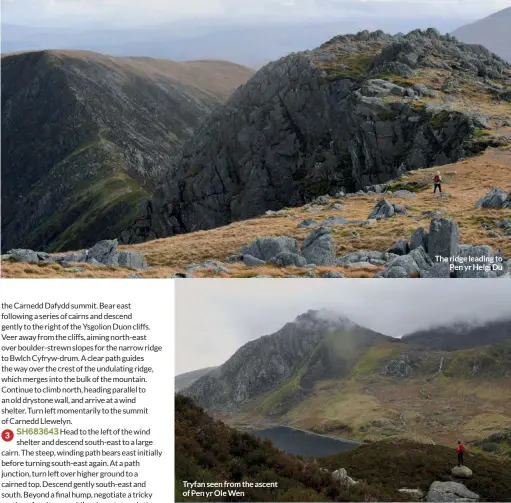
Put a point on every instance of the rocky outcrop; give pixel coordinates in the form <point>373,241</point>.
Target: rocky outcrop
<point>341,476</point>
<point>445,256</point>
<point>496,198</point>
<point>317,122</point>
<point>262,364</point>
<point>451,492</point>
<point>102,253</point>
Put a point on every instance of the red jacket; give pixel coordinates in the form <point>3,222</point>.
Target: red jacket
<point>461,448</point>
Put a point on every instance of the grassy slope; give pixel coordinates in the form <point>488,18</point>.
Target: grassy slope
<point>209,451</point>
<point>367,405</point>
<point>104,200</point>
<point>467,181</point>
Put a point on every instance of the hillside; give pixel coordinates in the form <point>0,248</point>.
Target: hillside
<point>461,336</point>
<point>184,380</point>
<point>206,253</point>
<point>85,137</point>
<point>492,32</point>
<point>357,111</point>
<point>352,382</point>
<point>208,451</point>
<point>302,349</point>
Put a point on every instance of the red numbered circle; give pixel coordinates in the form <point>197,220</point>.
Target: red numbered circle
<point>7,435</point>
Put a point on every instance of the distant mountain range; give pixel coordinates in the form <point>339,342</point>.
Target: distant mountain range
<point>324,373</point>
<point>493,32</point>
<point>85,138</point>
<point>184,380</point>
<point>252,44</point>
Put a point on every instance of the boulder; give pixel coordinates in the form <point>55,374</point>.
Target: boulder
<point>443,239</point>
<point>419,238</point>
<point>286,259</point>
<point>479,260</point>
<point>373,257</point>
<point>424,90</point>
<point>341,476</point>
<point>438,270</point>
<point>268,247</point>
<point>332,275</point>
<point>334,221</point>
<point>236,258</point>
<point>131,259</point>
<point>23,255</point>
<point>400,248</point>
<point>462,472</point>
<point>450,491</point>
<point>321,200</point>
<point>496,198</point>
<point>105,252</point>
<point>76,257</point>
<point>251,261</point>
<point>408,265</point>
<point>382,209</point>
<point>399,209</point>
<point>319,247</point>
<point>307,223</point>
<point>414,493</point>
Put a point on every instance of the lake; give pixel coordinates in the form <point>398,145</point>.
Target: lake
<point>304,443</point>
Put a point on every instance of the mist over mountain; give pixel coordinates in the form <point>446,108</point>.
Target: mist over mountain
<point>462,335</point>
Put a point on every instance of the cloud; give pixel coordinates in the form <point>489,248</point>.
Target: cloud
<point>150,11</point>
<point>215,317</point>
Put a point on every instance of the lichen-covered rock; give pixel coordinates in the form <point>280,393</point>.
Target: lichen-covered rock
<point>419,238</point>
<point>496,198</point>
<point>319,247</point>
<point>462,472</point>
<point>443,239</point>
<point>450,492</point>
<point>286,259</point>
<point>382,209</point>
<point>400,248</point>
<point>23,255</point>
<point>267,248</point>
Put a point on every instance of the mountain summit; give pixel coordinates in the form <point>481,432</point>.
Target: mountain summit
<point>357,111</point>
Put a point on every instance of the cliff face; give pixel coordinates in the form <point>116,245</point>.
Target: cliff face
<point>85,137</point>
<point>303,347</point>
<point>354,112</point>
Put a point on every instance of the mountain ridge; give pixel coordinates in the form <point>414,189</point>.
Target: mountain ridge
<point>360,384</point>
<point>85,138</point>
<point>340,117</point>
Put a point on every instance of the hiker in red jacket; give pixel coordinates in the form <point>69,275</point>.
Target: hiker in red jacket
<point>461,450</point>
<point>437,182</point>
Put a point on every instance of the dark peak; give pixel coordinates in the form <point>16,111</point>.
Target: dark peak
<point>462,335</point>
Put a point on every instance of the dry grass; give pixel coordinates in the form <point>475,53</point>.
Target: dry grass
<point>466,181</point>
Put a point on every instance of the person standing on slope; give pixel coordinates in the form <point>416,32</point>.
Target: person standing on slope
<point>437,182</point>
<point>460,449</point>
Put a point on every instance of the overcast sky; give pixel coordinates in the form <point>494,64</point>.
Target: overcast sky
<point>215,317</point>
<point>122,12</point>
